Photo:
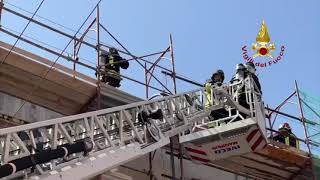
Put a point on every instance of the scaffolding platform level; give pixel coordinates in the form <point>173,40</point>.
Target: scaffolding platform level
<point>62,90</point>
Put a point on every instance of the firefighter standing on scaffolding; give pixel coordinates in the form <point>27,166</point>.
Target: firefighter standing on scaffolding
<point>286,136</point>
<point>110,64</point>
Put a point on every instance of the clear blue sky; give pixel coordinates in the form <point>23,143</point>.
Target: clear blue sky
<point>207,35</point>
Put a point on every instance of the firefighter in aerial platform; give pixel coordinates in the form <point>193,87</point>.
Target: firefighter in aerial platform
<point>251,71</point>
<point>110,63</point>
<point>216,80</point>
<point>286,136</point>
<point>242,72</point>
<point>240,75</point>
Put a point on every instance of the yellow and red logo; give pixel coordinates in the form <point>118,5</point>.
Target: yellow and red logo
<point>263,48</point>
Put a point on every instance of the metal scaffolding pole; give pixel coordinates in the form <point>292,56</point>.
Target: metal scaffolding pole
<point>181,162</point>
<point>146,80</point>
<point>1,7</point>
<point>182,79</point>
<point>175,92</point>
<point>279,106</point>
<point>98,63</point>
<point>173,66</point>
<point>46,26</point>
<point>136,58</point>
<point>173,172</point>
<point>46,49</point>
<point>150,165</point>
<point>304,127</point>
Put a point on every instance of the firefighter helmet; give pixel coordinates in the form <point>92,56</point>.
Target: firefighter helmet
<point>250,67</point>
<point>113,51</point>
<point>218,72</point>
<point>285,126</point>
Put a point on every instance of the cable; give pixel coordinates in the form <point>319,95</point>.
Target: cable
<point>36,87</point>
<point>29,21</point>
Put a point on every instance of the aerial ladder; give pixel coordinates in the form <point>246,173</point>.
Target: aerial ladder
<point>85,145</point>
<point>240,131</point>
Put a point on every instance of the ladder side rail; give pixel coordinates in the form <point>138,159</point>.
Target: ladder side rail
<point>260,115</point>
<point>234,92</point>
<point>254,97</point>
<point>6,148</point>
<point>249,93</point>
<point>131,124</point>
<point>88,114</point>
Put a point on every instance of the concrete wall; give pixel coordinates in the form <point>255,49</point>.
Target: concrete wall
<point>161,165</point>
<point>29,112</point>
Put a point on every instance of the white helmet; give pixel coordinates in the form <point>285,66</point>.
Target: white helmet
<point>240,67</point>
<point>250,67</point>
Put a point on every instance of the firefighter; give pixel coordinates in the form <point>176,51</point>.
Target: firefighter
<point>251,71</point>
<point>111,62</point>
<point>240,73</point>
<point>286,136</point>
<point>217,79</point>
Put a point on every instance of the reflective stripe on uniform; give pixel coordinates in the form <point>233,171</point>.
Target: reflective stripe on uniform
<point>287,141</point>
<point>111,61</point>
<point>297,144</point>
<point>112,72</point>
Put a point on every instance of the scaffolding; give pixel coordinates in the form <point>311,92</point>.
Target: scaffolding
<point>79,41</point>
<point>308,106</point>
<point>149,67</point>
<point>308,120</point>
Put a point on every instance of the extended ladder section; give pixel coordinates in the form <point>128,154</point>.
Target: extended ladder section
<point>85,145</point>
